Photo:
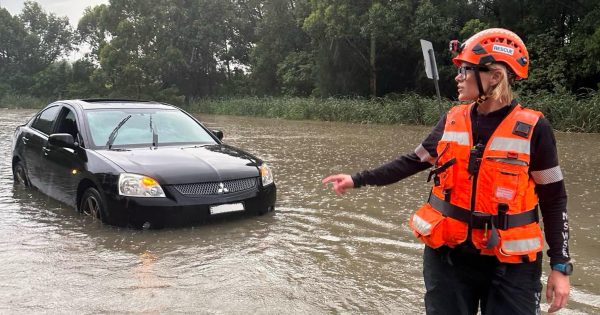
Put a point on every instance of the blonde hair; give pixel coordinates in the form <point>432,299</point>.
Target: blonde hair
<point>502,91</point>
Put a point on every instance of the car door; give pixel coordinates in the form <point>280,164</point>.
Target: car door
<point>64,165</point>
<point>34,141</point>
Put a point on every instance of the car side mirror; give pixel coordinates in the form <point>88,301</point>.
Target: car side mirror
<point>218,133</point>
<point>64,140</point>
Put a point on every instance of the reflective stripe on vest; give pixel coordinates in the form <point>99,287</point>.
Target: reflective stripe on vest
<point>523,245</point>
<point>510,144</point>
<point>422,153</point>
<point>456,136</point>
<point>422,226</point>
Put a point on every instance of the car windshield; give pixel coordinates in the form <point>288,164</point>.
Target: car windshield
<point>172,127</point>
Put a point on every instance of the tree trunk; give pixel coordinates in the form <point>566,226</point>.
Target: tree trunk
<point>373,54</point>
<point>373,69</point>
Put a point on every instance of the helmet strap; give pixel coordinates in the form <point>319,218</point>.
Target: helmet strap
<point>482,97</point>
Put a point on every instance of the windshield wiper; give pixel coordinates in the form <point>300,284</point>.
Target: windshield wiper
<point>113,134</point>
<point>154,134</point>
<point>196,146</point>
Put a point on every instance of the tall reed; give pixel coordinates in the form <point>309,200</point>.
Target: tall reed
<point>566,112</point>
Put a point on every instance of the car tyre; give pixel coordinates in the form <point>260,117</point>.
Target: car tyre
<point>266,210</point>
<point>20,175</point>
<point>92,204</point>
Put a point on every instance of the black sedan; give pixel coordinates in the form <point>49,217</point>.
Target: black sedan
<point>137,163</point>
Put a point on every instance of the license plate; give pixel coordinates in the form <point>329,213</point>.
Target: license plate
<point>226,208</point>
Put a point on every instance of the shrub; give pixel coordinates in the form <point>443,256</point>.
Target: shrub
<point>10,100</point>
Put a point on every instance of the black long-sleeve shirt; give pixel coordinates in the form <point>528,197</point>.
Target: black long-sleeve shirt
<point>543,168</point>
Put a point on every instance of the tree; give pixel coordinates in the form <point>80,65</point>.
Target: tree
<point>145,46</point>
<point>31,41</point>
<point>295,73</point>
<point>48,37</point>
<point>204,48</point>
<point>12,33</point>
<point>279,34</point>
<point>93,28</point>
<point>342,50</point>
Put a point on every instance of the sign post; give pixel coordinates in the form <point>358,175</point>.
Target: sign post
<point>431,68</point>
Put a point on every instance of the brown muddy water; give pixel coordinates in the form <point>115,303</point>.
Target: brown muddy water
<point>318,253</point>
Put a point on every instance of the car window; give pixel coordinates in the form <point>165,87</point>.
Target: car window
<point>44,121</point>
<point>171,126</point>
<point>68,124</point>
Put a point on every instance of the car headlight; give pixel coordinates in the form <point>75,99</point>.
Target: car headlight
<point>266,175</point>
<point>135,185</point>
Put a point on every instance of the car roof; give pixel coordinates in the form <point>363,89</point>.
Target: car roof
<point>98,103</point>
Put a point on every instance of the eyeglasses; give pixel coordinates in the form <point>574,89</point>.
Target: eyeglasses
<point>462,71</point>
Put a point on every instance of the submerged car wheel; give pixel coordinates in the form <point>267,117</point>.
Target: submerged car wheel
<point>92,204</point>
<point>19,174</point>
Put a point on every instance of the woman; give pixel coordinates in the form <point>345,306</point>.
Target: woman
<point>494,163</point>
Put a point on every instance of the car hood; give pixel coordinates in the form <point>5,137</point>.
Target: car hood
<point>184,165</point>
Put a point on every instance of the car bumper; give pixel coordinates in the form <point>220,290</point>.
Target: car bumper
<point>178,210</point>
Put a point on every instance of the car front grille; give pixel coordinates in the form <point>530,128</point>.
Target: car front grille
<point>217,188</point>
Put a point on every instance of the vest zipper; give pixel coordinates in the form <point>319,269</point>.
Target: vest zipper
<point>475,139</point>
<point>473,191</point>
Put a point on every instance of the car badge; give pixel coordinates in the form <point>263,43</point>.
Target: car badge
<point>222,189</point>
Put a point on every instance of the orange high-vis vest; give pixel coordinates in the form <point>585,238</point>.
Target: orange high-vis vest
<point>497,205</point>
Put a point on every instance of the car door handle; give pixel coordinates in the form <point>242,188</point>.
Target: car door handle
<point>24,139</point>
<point>46,150</point>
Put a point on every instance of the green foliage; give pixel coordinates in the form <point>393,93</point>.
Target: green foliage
<point>335,52</point>
<point>566,112</point>
<point>296,73</point>
<point>81,83</point>
<point>144,46</point>
<point>92,27</point>
<point>48,36</point>
<point>404,109</point>
<point>472,27</point>
<point>31,43</point>
<point>547,64</point>
<point>279,37</point>
<point>341,37</point>
<point>11,100</point>
<point>52,81</point>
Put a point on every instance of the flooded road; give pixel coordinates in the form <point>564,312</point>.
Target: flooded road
<point>318,253</point>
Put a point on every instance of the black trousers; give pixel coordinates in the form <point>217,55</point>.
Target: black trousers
<point>459,281</point>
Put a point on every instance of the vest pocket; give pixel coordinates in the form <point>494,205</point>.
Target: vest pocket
<point>509,182</point>
<point>435,230</point>
<point>519,241</point>
<point>455,231</point>
<point>425,223</point>
<point>506,186</point>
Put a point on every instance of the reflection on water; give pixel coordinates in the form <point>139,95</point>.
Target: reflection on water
<point>318,253</point>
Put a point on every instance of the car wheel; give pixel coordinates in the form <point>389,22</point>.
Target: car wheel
<point>266,210</point>
<point>20,175</point>
<point>92,204</point>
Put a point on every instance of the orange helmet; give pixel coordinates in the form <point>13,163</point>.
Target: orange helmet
<point>494,45</point>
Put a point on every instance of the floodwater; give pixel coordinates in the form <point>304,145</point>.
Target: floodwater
<point>318,253</point>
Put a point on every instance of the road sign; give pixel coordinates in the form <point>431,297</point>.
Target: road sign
<point>431,68</point>
<point>429,57</point>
